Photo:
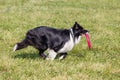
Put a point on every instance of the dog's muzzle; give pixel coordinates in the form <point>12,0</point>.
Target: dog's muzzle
<point>84,32</point>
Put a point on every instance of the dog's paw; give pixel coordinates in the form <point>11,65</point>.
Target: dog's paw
<point>43,56</point>
<point>61,57</point>
<point>15,47</point>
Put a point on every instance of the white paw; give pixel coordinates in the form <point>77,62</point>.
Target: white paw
<point>61,57</point>
<point>15,47</point>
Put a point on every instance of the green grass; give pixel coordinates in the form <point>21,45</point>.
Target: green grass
<point>101,17</point>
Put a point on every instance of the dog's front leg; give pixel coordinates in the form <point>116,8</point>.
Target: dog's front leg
<point>62,56</point>
<point>52,54</point>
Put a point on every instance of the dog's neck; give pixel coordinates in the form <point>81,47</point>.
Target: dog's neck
<point>76,40</point>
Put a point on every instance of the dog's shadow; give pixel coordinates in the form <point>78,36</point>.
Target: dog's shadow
<point>78,55</point>
<point>27,56</point>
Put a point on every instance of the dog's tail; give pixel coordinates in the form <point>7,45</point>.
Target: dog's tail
<point>21,45</point>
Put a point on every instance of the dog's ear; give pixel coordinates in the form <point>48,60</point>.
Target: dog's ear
<point>76,22</point>
<point>76,25</point>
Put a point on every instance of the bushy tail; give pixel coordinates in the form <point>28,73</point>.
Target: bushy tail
<point>20,45</point>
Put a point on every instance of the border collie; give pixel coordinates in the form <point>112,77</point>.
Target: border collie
<point>56,41</point>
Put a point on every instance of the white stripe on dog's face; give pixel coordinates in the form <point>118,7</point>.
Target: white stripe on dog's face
<point>15,47</point>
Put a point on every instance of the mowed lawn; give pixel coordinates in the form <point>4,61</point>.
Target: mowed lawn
<point>100,17</point>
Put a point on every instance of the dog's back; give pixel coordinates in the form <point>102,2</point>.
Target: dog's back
<point>44,37</point>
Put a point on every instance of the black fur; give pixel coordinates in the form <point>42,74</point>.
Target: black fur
<point>44,37</point>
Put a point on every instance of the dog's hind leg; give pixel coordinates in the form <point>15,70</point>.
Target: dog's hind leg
<point>21,45</point>
<point>42,54</point>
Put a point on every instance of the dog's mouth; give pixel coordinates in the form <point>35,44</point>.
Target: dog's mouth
<point>84,32</point>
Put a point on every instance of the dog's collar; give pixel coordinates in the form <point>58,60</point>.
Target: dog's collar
<point>71,32</point>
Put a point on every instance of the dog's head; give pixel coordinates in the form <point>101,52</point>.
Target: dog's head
<point>78,30</point>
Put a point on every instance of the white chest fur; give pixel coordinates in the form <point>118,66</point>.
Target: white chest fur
<point>68,45</point>
<point>77,40</point>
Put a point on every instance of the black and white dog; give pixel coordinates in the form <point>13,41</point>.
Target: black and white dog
<point>56,41</point>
